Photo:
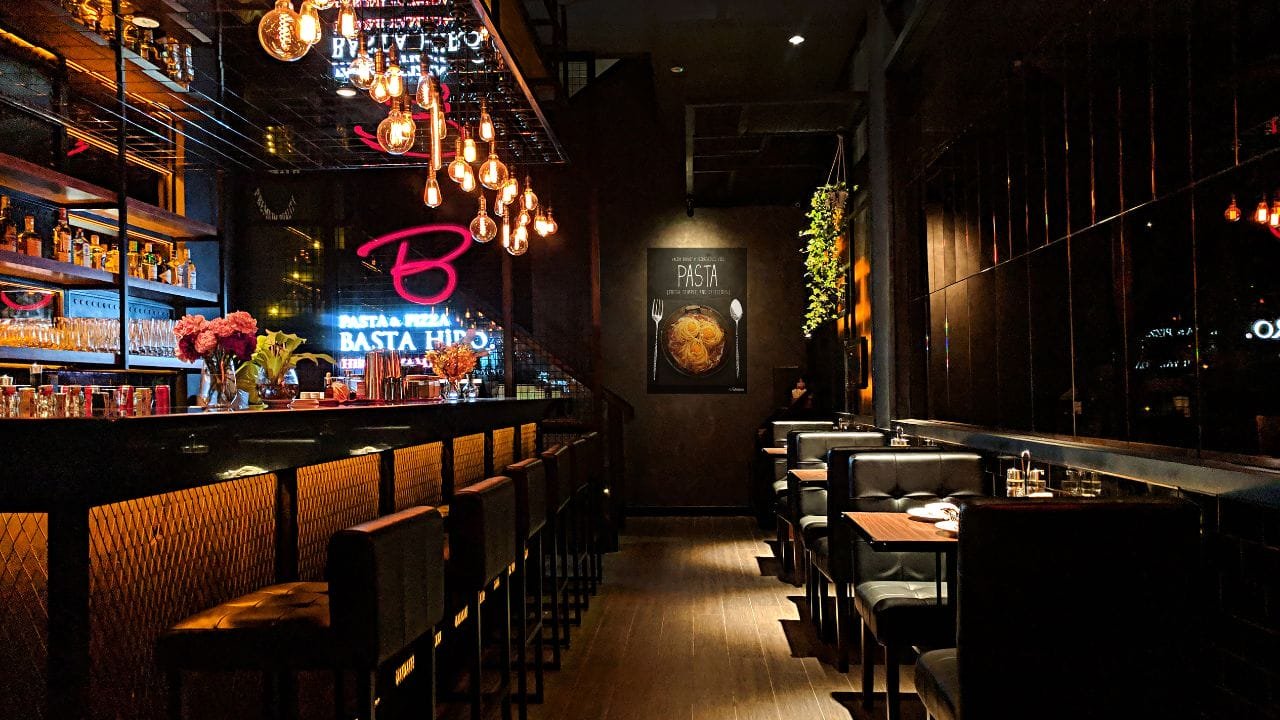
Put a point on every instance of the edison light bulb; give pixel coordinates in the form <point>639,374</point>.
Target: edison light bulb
<point>493,174</point>
<point>1232,213</point>
<point>519,243</point>
<point>510,189</point>
<point>468,146</point>
<point>468,180</point>
<point>278,33</point>
<point>1260,215</point>
<point>348,22</point>
<point>529,198</point>
<point>540,224</point>
<point>360,73</point>
<point>1274,219</point>
<point>499,207</point>
<point>486,123</point>
<point>309,29</point>
<point>506,230</point>
<point>396,132</point>
<point>483,228</point>
<point>378,88</point>
<point>395,78</point>
<point>428,94</point>
<point>552,227</point>
<point>431,195</point>
<point>523,218</point>
<point>458,168</point>
<point>322,4</point>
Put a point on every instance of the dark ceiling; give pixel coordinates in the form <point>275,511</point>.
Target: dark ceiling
<point>759,115</point>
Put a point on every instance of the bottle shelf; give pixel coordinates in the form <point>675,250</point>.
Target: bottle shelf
<point>69,275</point>
<point>49,356</point>
<point>165,292</point>
<point>163,363</point>
<point>93,202</point>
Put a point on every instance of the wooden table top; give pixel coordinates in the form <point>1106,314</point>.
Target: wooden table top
<point>809,475</point>
<point>775,451</point>
<point>895,531</point>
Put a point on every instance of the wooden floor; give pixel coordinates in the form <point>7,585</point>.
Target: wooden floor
<point>693,624</point>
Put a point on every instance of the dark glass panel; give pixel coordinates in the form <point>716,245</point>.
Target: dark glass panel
<point>1033,166</point>
<point>1097,304</point>
<point>1104,118</point>
<point>1212,80</point>
<point>1013,343</point>
<point>989,173</point>
<point>937,344</point>
<point>983,309</point>
<point>1009,186</point>
<point>1133,103</point>
<point>959,385</point>
<point>934,245</point>
<point>1172,123</point>
<point>1050,339</point>
<point>1161,340</point>
<point>1053,138</point>
<point>1079,146</point>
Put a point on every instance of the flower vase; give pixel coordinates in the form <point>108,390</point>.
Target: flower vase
<point>452,389</point>
<point>277,392</point>
<point>218,386</point>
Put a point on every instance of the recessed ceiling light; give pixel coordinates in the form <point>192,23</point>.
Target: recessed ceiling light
<point>143,21</point>
<point>796,39</point>
<point>346,91</point>
<point>677,69</point>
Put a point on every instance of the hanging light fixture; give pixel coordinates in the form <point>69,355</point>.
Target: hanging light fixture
<point>486,122</point>
<point>323,4</point>
<point>524,218</point>
<point>431,195</point>
<point>510,189</point>
<point>519,244</point>
<point>468,183</point>
<point>348,21</point>
<point>1274,218</point>
<point>1261,212</point>
<point>458,168</point>
<point>278,33</point>
<point>428,92</point>
<point>468,146</point>
<point>540,223</point>
<point>483,228</point>
<point>378,91</point>
<point>506,230</point>
<point>396,131</point>
<point>493,174</point>
<point>360,72</point>
<point>1232,213</point>
<point>529,198</point>
<point>395,78</point>
<point>310,31</point>
<point>552,227</point>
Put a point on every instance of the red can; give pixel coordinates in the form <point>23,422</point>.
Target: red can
<point>162,399</point>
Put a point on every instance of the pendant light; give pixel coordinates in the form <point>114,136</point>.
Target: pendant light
<point>458,168</point>
<point>468,146</point>
<point>486,123</point>
<point>540,223</point>
<point>506,230</point>
<point>510,189</point>
<point>396,131</point>
<point>524,218</point>
<point>323,4</point>
<point>1232,213</point>
<point>493,174</point>
<point>519,244</point>
<point>1274,218</point>
<point>360,73</point>
<point>395,78</point>
<point>529,198</point>
<point>348,21</point>
<point>1261,212</point>
<point>552,227</point>
<point>428,92</point>
<point>483,228</point>
<point>378,91</point>
<point>278,33</point>
<point>431,195</point>
<point>310,30</point>
<point>499,207</point>
<point>468,183</point>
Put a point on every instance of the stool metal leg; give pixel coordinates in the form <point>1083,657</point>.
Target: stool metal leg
<point>522,642</point>
<point>868,667</point>
<point>892,711</point>
<point>844,633</point>
<point>538,670</point>
<point>477,668</point>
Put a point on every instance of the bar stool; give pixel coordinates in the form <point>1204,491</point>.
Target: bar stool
<point>482,555</point>
<point>596,489</point>
<point>385,594</point>
<point>558,460</point>
<point>530,479</point>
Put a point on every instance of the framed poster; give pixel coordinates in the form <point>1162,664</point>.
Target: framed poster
<point>697,316</point>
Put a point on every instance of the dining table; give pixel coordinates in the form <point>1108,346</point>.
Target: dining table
<point>899,532</point>
<point>776,451</point>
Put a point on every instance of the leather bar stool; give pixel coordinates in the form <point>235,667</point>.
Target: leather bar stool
<point>558,460</point>
<point>482,555</point>
<point>530,479</point>
<point>1033,640</point>
<point>596,507</point>
<point>579,510</point>
<point>384,598</point>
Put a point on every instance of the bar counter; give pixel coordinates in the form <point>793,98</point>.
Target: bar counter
<point>113,529</point>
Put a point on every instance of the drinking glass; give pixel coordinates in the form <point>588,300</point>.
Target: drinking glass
<point>1091,485</point>
<point>1014,483</point>
<point>1035,482</point>
<point>1071,482</point>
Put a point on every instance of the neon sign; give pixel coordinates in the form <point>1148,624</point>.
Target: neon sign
<point>440,46</point>
<point>1264,330</point>
<point>407,333</point>
<point>406,268</point>
<point>46,297</point>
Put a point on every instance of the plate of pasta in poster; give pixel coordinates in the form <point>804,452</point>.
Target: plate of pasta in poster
<point>693,340</point>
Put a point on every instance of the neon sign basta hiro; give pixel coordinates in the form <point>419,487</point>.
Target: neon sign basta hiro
<point>405,268</point>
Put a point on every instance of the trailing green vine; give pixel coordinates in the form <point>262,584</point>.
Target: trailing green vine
<point>822,263</point>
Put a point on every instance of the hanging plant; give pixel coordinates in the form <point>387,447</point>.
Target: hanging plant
<point>822,261</point>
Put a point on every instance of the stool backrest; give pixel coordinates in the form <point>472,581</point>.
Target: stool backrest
<point>595,456</point>
<point>559,463</point>
<point>779,429</point>
<point>530,478</point>
<point>386,583</point>
<point>482,520</point>
<point>893,480</point>
<point>809,449</point>
<point>1074,609</point>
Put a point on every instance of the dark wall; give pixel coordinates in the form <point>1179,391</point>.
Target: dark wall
<point>1076,267</point>
<point>683,450</point>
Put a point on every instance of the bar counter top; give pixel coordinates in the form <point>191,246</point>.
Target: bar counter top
<point>69,462</point>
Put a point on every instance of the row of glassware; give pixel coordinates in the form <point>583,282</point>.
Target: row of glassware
<point>147,336</point>
<point>1034,483</point>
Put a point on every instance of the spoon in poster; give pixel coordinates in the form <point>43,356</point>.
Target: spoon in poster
<point>735,312</point>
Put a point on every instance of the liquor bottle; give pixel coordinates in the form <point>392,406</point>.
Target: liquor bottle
<point>133,260</point>
<point>62,238</point>
<point>164,272</point>
<point>179,264</point>
<point>111,259</point>
<point>191,272</point>
<point>78,244</point>
<point>147,45</point>
<point>28,241</point>
<point>8,228</point>
<point>150,263</point>
<point>94,253</point>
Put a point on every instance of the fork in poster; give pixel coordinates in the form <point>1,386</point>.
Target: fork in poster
<point>655,312</point>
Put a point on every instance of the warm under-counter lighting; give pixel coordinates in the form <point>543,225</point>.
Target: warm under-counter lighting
<point>796,39</point>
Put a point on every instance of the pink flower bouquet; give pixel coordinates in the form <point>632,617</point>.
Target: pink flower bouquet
<point>218,342</point>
